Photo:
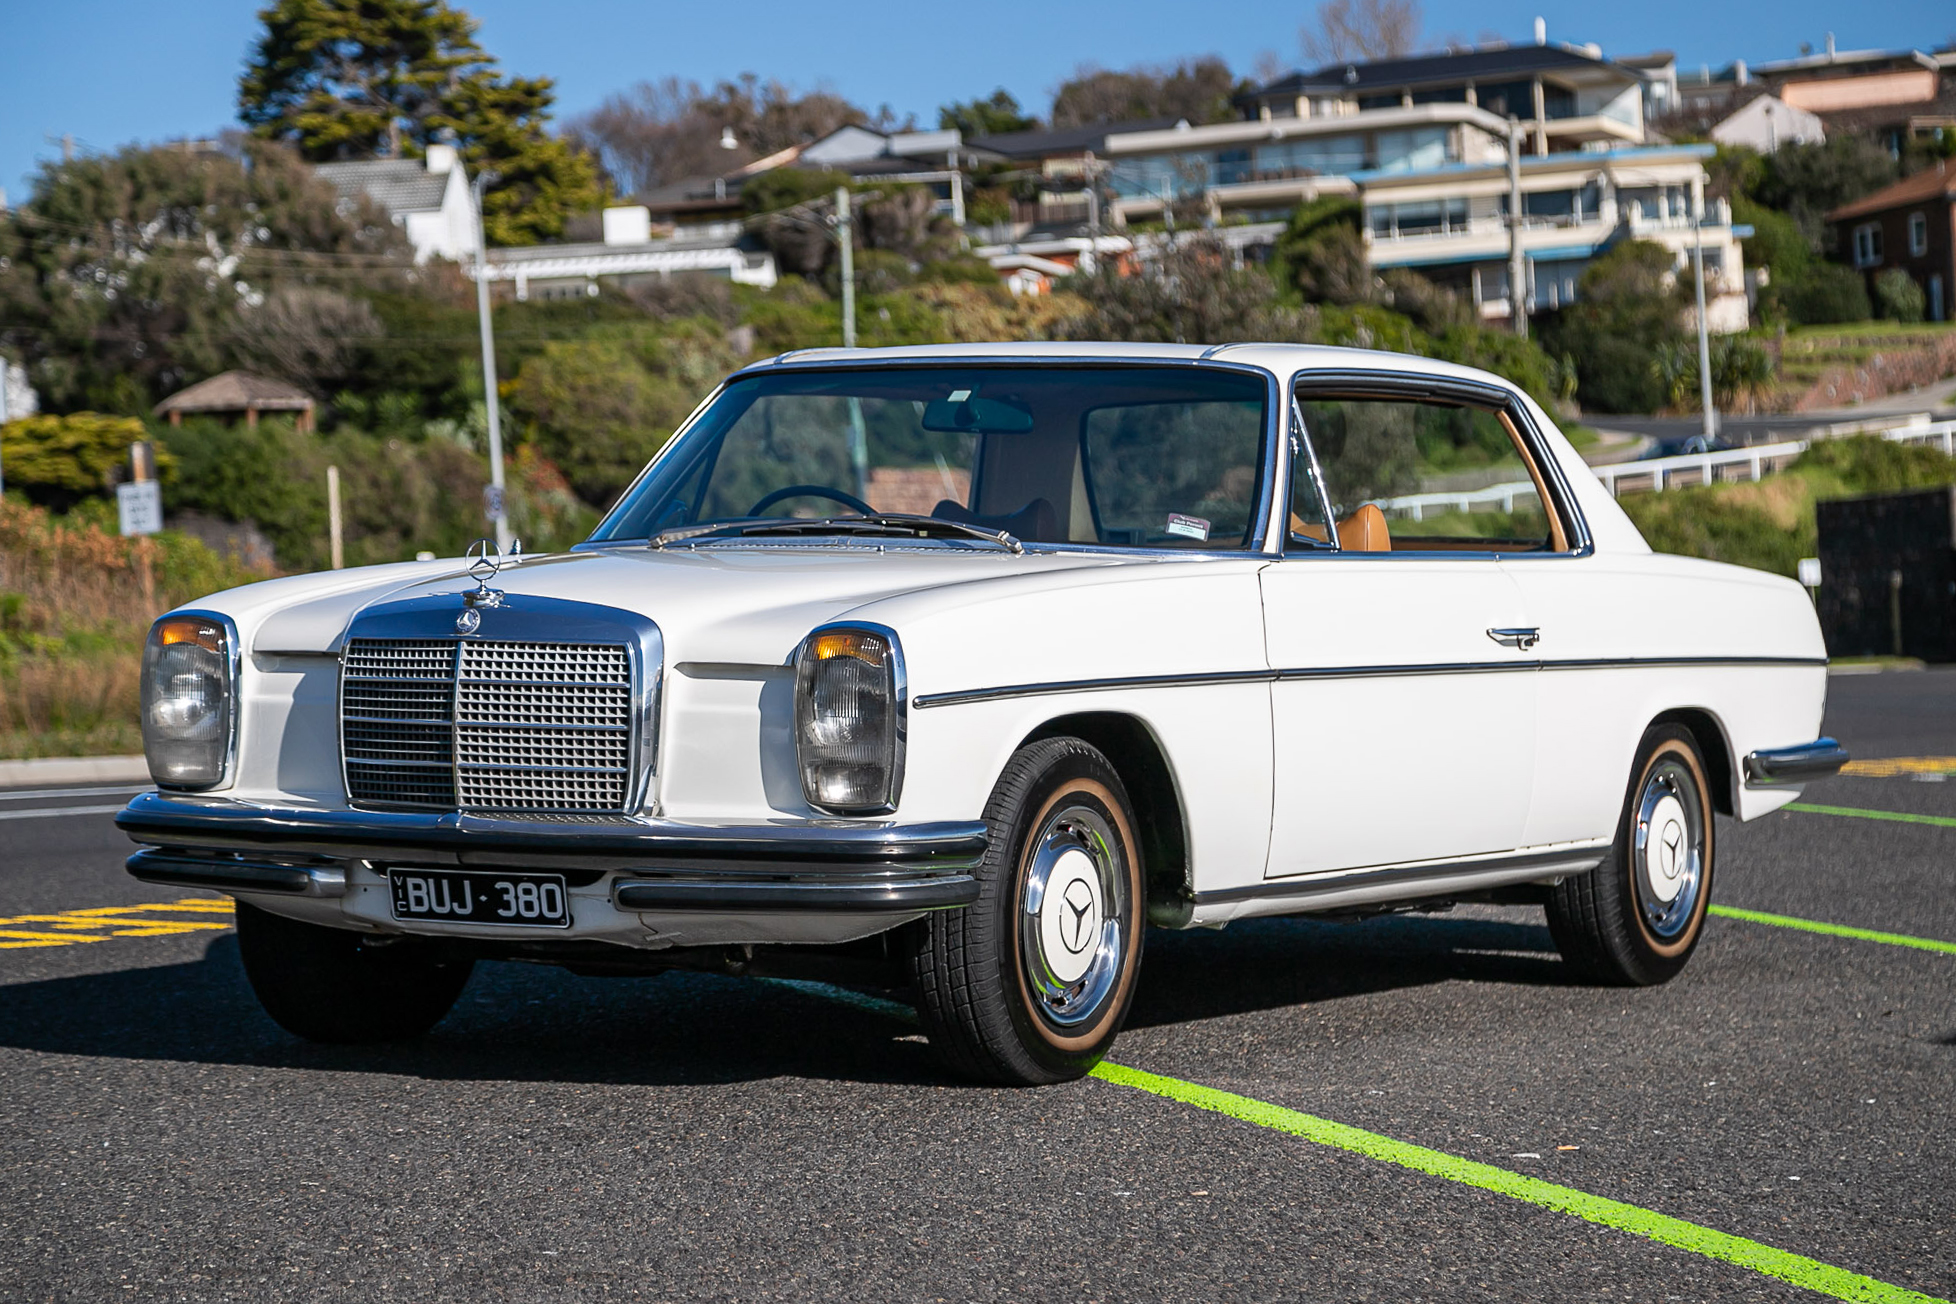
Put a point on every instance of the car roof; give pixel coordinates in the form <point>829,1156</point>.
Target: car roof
<point>1282,359</point>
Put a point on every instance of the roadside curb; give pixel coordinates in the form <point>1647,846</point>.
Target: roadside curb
<point>73,769</point>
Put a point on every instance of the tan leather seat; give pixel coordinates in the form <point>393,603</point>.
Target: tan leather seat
<point>1364,531</point>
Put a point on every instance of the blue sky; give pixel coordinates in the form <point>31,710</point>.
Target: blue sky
<point>114,71</point>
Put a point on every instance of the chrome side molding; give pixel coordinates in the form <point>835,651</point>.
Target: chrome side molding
<point>1771,766</point>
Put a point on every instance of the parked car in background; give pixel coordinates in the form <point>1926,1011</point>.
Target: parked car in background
<point>953,668</point>
<point>1687,445</point>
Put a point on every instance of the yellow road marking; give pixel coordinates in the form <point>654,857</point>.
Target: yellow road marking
<point>1890,767</point>
<point>100,923</point>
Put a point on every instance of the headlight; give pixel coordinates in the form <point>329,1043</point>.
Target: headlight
<point>849,689</point>
<point>189,700</point>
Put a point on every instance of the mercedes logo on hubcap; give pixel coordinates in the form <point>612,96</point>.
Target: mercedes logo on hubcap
<point>1670,850</point>
<point>1076,925</point>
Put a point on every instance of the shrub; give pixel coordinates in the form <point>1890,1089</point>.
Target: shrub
<point>1899,297</point>
<point>73,613</point>
<point>57,461</point>
<point>1826,293</point>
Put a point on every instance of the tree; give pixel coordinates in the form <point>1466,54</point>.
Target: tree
<point>1629,307</point>
<point>996,116</point>
<point>661,132</point>
<point>1806,182</point>
<point>128,273</point>
<point>539,180</point>
<point>1356,31</point>
<point>1194,294</point>
<point>351,79</point>
<point>1324,253</point>
<point>357,79</point>
<point>1196,89</point>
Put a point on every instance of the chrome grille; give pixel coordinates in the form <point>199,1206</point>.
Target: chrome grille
<point>487,726</point>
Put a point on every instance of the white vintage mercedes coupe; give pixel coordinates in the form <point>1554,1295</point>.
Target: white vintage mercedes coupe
<point>954,668</point>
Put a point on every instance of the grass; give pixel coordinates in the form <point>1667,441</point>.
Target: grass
<point>74,610</point>
<point>1769,524</point>
<point>1810,352</point>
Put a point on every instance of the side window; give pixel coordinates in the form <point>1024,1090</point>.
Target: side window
<point>1412,475</point>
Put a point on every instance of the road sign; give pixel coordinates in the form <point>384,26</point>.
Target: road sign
<point>492,501</point>
<point>1810,572</point>
<point>139,507</point>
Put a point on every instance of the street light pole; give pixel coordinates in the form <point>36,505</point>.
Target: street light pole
<point>497,504</point>
<point>845,233</point>
<point>1517,261</point>
<point>1704,330</point>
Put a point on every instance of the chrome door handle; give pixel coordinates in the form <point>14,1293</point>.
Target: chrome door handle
<point>1516,638</point>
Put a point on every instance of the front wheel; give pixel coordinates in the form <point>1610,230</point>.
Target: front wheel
<point>1635,919</point>
<point>1030,983</point>
<point>334,985</point>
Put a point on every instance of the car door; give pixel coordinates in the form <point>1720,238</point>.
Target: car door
<point>1404,707</point>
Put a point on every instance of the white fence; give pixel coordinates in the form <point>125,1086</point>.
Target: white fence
<point>1753,463</point>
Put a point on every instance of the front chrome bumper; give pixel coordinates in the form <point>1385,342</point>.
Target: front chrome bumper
<point>1770,767</point>
<point>652,865</point>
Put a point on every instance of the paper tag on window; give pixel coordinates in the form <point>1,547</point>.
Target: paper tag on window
<point>1189,527</point>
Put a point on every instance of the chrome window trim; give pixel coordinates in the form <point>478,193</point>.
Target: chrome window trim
<point>1411,386</point>
<point>899,703</point>
<point>234,673</point>
<point>1268,470</point>
<point>527,618</point>
<point>960,697</point>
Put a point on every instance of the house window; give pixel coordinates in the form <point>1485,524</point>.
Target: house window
<point>1918,234</point>
<point>1867,244</point>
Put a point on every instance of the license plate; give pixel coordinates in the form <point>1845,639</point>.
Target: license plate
<point>448,896</point>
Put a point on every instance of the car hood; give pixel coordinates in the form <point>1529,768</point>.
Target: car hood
<point>735,603</point>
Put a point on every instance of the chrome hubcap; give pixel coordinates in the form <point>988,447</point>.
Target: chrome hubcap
<point>1669,858</point>
<point>1070,939</point>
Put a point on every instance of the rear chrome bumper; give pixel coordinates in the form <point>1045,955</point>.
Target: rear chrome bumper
<point>652,865</point>
<point>1773,766</point>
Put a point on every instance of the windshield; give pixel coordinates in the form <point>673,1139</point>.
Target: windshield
<point>1130,456</point>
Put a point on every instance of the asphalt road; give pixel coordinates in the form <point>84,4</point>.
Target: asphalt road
<point>689,1137</point>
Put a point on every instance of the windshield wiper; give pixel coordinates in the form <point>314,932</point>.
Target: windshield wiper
<point>880,523</point>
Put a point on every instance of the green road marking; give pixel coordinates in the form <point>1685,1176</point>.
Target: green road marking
<point>1810,1274</point>
<point>1835,930</point>
<point>1800,1271</point>
<point>1900,817</point>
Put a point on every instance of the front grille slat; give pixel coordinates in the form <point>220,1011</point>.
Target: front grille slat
<point>508,727</point>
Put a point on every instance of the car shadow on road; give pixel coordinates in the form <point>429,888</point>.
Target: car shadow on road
<point>519,1022</point>
<point>1266,964</point>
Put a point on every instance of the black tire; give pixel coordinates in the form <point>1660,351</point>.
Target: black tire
<point>1059,818</point>
<point>1635,919</point>
<point>332,985</point>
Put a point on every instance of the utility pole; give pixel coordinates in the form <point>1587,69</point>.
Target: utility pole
<point>845,233</point>
<point>497,506</point>
<point>1517,261</point>
<point>1704,330</point>
<point>5,416</point>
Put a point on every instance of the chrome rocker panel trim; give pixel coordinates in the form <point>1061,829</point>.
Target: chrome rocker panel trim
<point>668,864</point>
<point>1771,766</point>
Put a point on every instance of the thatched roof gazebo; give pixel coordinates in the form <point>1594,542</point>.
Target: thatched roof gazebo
<point>232,392</point>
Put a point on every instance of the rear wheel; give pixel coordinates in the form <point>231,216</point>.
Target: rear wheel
<point>1635,919</point>
<point>334,985</point>
<point>1031,983</point>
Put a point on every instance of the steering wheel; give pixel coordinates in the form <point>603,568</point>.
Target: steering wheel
<point>811,491</point>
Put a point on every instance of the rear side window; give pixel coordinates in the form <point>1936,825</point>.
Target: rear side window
<point>1430,476</point>
<point>1175,474</point>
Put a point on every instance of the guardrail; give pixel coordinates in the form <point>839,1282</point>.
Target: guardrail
<point>1753,463</point>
